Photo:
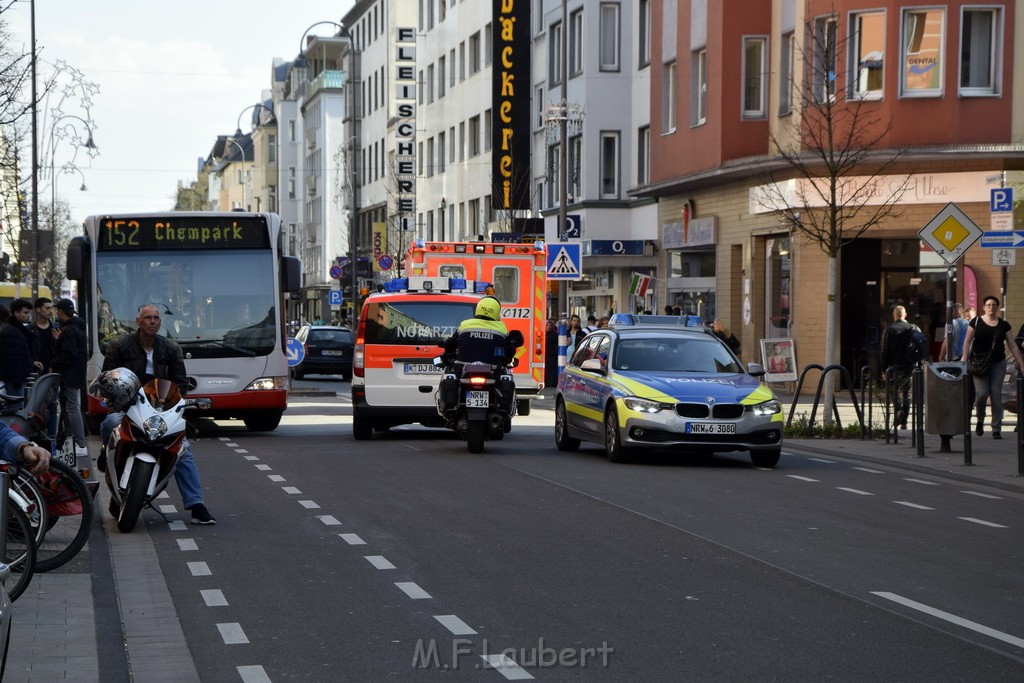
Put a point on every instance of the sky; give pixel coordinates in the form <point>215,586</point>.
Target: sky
<point>171,77</point>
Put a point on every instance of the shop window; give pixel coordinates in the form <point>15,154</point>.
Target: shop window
<point>778,285</point>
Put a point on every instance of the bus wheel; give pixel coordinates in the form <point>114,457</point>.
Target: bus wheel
<point>263,422</point>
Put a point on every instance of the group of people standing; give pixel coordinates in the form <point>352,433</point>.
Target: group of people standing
<point>39,344</point>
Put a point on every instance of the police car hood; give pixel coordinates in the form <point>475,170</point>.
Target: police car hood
<point>670,387</point>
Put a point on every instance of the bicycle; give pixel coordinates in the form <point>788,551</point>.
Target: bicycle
<point>19,550</point>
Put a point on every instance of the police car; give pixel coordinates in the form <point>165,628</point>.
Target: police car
<point>400,331</point>
<point>677,388</point>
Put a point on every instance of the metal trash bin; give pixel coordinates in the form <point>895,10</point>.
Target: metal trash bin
<point>945,390</point>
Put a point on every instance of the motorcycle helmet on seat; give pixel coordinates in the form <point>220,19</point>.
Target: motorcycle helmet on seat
<point>117,387</point>
<point>488,308</point>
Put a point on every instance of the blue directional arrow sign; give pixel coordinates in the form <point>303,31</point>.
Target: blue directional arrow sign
<point>1003,239</point>
<point>294,351</point>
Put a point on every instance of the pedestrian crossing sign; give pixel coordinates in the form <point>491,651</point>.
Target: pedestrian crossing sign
<point>565,261</point>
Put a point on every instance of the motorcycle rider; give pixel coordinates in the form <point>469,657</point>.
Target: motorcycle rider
<point>149,356</point>
<point>482,338</point>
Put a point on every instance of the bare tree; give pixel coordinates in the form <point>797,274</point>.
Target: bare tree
<point>829,177</point>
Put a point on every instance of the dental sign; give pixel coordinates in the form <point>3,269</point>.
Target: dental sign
<point>126,233</point>
<point>510,94</point>
<point>405,126</point>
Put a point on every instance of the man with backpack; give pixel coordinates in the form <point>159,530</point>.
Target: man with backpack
<point>904,346</point>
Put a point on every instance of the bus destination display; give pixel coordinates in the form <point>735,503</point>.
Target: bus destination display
<point>191,232</point>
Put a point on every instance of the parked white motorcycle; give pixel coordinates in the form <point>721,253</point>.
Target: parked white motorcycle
<point>143,452</point>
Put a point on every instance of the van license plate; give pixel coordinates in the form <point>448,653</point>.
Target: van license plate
<point>710,428</point>
<point>477,399</point>
<point>333,353</point>
<point>421,369</point>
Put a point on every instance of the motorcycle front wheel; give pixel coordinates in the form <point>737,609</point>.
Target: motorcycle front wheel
<point>135,495</point>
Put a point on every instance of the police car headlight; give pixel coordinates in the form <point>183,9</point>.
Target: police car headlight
<point>642,405</point>
<point>154,427</point>
<point>772,407</point>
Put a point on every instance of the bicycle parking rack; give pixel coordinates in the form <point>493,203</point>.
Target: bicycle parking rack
<point>845,375</point>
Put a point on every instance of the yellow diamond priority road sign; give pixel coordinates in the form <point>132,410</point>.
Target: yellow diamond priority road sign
<point>950,233</point>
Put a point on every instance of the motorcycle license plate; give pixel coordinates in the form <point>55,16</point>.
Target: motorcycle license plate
<point>710,428</point>
<point>477,399</point>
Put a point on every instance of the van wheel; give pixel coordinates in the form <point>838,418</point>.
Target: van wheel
<point>523,407</point>
<point>362,429</point>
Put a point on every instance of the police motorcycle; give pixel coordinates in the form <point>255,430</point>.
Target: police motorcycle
<point>144,450</point>
<point>477,399</point>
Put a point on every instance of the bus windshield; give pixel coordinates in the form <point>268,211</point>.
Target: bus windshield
<point>215,304</point>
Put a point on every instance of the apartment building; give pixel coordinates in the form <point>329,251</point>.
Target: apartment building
<point>734,81</point>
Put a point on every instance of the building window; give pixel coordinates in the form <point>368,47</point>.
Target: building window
<point>440,76</point>
<point>786,82</point>
<point>541,106</point>
<point>451,68</point>
<point>272,148</point>
<point>609,164</point>
<point>488,44</point>
<point>555,54</point>
<point>554,167</point>
<point>451,145</point>
<point>576,43</point>
<point>291,182</point>
<point>923,37</point>
<point>980,52</point>
<point>441,152</point>
<point>698,87</point>
<point>643,155</point>
<point>474,53</point>
<point>291,130</point>
<point>609,49</point>
<point>824,74</point>
<point>430,84</point>
<point>668,97</point>
<point>573,163</point>
<point>868,35</point>
<point>462,61</point>
<point>474,136</point>
<point>754,77</point>
<point>462,141</point>
<point>488,131</point>
<point>644,39</point>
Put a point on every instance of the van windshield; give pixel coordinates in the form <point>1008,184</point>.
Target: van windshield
<point>414,322</point>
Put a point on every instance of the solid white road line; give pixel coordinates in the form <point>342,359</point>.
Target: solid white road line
<point>857,491</point>
<point>199,569</point>
<point>506,667</point>
<point>921,481</point>
<point>412,590</point>
<point>352,539</point>
<point>290,489</point>
<point>264,468</point>
<point>232,634</point>
<point>869,470</point>
<point>309,504</point>
<point>983,522</point>
<point>329,520</point>
<point>797,476</point>
<point>457,626</point>
<point>912,505</point>
<point>981,495</point>
<point>254,673</point>
<point>952,618</point>
<point>187,544</point>
<point>214,597</point>
<point>275,477</point>
<point>379,561</point>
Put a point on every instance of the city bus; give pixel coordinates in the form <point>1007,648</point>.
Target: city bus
<point>9,291</point>
<point>219,281</point>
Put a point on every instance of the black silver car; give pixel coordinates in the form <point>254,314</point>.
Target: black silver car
<point>328,351</point>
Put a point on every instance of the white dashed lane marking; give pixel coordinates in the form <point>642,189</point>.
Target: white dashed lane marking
<point>912,505</point>
<point>214,598</point>
<point>168,509</point>
<point>309,504</point>
<point>264,468</point>
<point>176,525</point>
<point>164,494</point>
<point>241,450</point>
<point>797,476</point>
<point>199,569</point>
<point>187,544</point>
<point>251,457</point>
<point>290,489</point>
<point>231,444</point>
<point>329,520</point>
<point>504,665</point>
<point>352,539</point>
<point>379,561</point>
<point>253,673</point>
<point>981,495</point>
<point>232,634</point>
<point>830,462</point>
<point>869,470</point>
<point>921,481</point>
<point>412,590</point>
<point>457,626</point>
<point>975,520</point>
<point>857,491</point>
<point>275,477</point>
<point>952,618</point>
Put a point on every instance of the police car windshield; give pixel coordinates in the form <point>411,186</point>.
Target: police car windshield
<point>414,322</point>
<point>678,354</point>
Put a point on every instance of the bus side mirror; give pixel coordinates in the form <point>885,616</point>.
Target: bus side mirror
<point>291,274</point>
<point>77,251</point>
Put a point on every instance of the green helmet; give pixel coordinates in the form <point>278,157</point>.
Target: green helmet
<point>488,308</point>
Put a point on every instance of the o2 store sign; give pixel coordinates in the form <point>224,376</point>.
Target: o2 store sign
<point>613,247</point>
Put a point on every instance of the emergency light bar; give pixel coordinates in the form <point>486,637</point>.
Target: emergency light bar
<point>435,284</point>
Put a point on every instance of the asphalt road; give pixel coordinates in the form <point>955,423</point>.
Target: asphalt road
<point>405,557</point>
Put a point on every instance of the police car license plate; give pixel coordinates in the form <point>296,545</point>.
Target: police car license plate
<point>710,428</point>
<point>477,399</point>
<point>421,369</point>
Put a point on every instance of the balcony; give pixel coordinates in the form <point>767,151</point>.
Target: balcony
<point>329,79</point>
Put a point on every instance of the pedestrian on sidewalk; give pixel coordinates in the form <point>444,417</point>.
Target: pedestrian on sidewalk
<point>988,335</point>
<point>69,360</point>
<point>44,333</point>
<point>17,355</point>
<point>895,341</point>
<point>959,325</point>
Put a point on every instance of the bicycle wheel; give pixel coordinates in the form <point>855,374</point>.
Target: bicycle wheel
<point>21,552</point>
<point>69,519</point>
<point>26,494</point>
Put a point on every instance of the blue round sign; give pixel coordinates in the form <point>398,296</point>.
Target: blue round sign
<point>336,272</point>
<point>385,261</point>
<point>294,351</point>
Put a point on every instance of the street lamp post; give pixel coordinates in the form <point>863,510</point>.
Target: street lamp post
<point>444,207</point>
<point>89,144</point>
<point>241,153</point>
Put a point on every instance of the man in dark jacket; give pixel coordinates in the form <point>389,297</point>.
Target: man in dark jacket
<point>142,350</point>
<point>17,359</point>
<point>894,342</point>
<point>69,361</point>
<point>44,332</point>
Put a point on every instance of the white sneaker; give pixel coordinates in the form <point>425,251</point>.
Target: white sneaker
<point>81,452</point>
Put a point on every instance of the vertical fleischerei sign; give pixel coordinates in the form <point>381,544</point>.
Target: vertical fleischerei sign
<point>510,156</point>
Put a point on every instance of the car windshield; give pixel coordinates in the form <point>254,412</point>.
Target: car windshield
<point>330,336</point>
<point>674,354</point>
<point>412,322</point>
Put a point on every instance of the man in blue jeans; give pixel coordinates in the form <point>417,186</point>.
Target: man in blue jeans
<point>150,356</point>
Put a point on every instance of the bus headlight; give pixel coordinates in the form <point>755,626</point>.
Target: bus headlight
<point>268,384</point>
<point>154,427</point>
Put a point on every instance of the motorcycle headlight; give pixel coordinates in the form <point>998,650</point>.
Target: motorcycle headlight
<point>772,407</point>
<point>154,427</point>
<point>642,405</point>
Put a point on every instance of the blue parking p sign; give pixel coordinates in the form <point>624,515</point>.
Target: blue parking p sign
<point>334,297</point>
<point>1001,200</point>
